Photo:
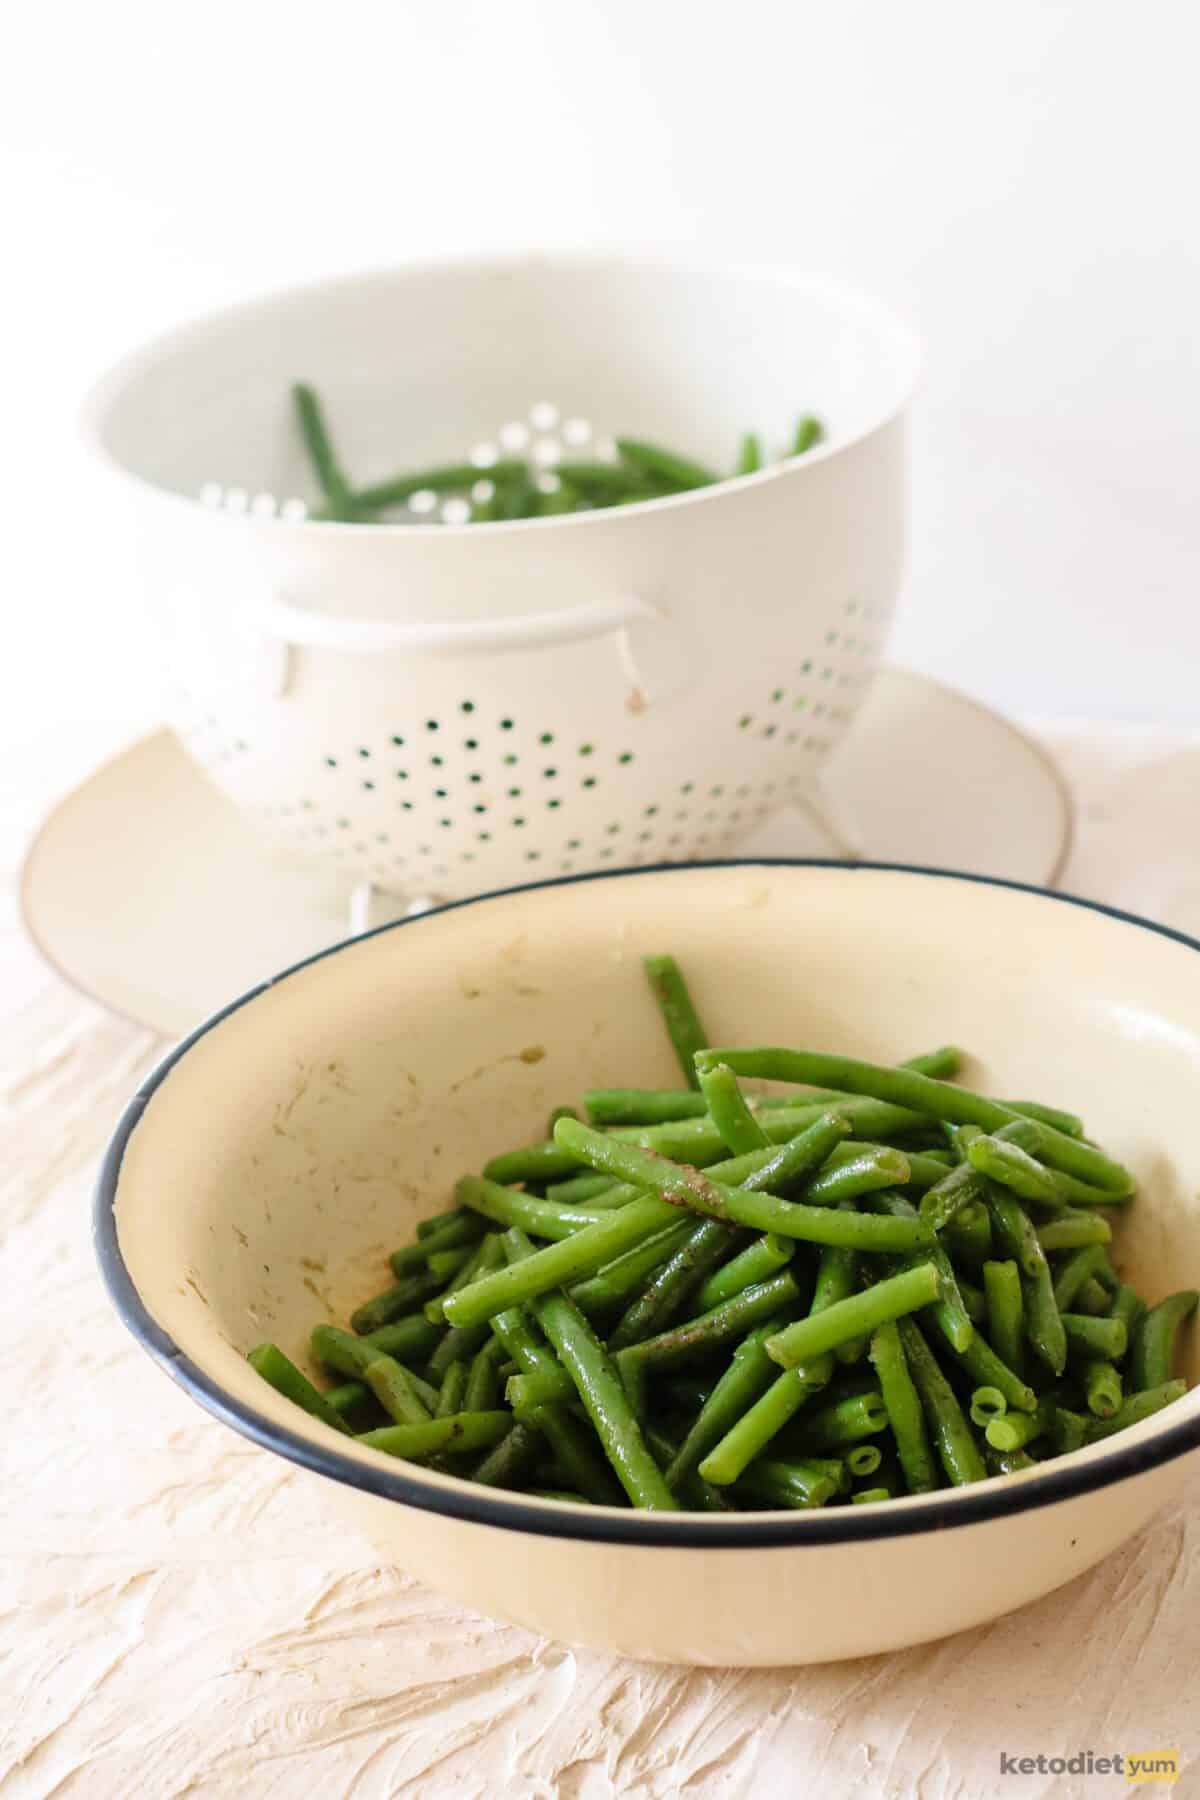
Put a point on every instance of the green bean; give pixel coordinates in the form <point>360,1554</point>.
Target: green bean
<point>683,1186</point>
<point>1014,1168</point>
<point>698,1142</point>
<point>1005,1313</point>
<point>454,1386</point>
<point>599,1387</point>
<point>573,1446</point>
<point>455,1230</point>
<point>393,1303</point>
<point>731,1319</point>
<point>973,1301</point>
<point>1128,1306</point>
<point>951,1433</point>
<point>448,479</point>
<point>393,1387</point>
<point>948,1311</point>
<point>1154,1339</point>
<point>511,1459</point>
<point>903,1408</point>
<point>443,1264</point>
<point>458,1432</point>
<point>960,1187</point>
<point>679,1014</point>
<point>1074,1231</point>
<point>870,1496</point>
<point>328,470</point>
<point>987,1369</point>
<point>1070,1124</point>
<point>800,1483</point>
<point>1106,1339</point>
<point>1011,1224</point>
<point>348,1397</point>
<point>942,1064</point>
<point>863,1459</point>
<point>763,1258</point>
<point>809,432</point>
<point>350,1355</point>
<point>1015,1430</point>
<point>1103,1388</point>
<point>579,1188</point>
<point>750,458</point>
<point>813,1148</point>
<point>987,1403</point>
<point>269,1361</point>
<point>1069,1430</point>
<point>1008,1462</point>
<point>841,1422</point>
<point>968,1236</point>
<point>749,1373</point>
<point>483,1390</point>
<point>855,1316</point>
<point>487,1256</point>
<point>505,1206</point>
<point>656,464</point>
<point>560,1263</point>
<point>605,484</point>
<point>728,1110</point>
<point>1137,1407</point>
<point>907,1088</point>
<point>1072,1274</point>
<point>435,1221</point>
<point>408,1340</point>
<point>527,1349</point>
<point>626,1276</point>
<point>1092,1298</point>
<point>1030,1136</point>
<point>749,1435</point>
<point>1044,1328</point>
<point>676,1279</point>
<point>643,1106</point>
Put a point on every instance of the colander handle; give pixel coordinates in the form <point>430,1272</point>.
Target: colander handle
<point>297,625</point>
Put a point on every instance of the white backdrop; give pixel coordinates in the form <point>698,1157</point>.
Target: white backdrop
<point>1020,180</point>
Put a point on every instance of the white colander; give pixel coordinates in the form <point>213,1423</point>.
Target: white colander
<point>445,708</point>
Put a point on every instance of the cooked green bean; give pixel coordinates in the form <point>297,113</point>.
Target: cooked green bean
<point>1137,1407</point>
<point>1104,1389</point>
<point>270,1362</point>
<point>1087,1337</point>
<point>445,1263</point>
<point>1074,1231</point>
<point>863,1459</point>
<point>679,1014</point>
<point>676,1279</point>
<point>698,1142</point>
<point>1128,1306</point>
<point>574,1452</point>
<point>577,1189</point>
<point>599,1387</point>
<point>1014,1168</point>
<point>960,1187</point>
<point>728,1110</point>
<point>920,1093</point>
<point>749,1435</point>
<point>750,1372</point>
<point>448,479</point>
<point>987,1403</point>
<point>904,1409</point>
<point>1092,1298</point>
<point>973,1300</point>
<point>1015,1430</point>
<point>454,1386</point>
<point>968,1236</point>
<point>801,1483</point>
<point>458,1432</point>
<point>393,1303</point>
<point>1070,1124</point>
<point>809,432</point>
<point>1154,1339</point>
<point>948,1311</point>
<point>952,1436</point>
<point>840,1422</point>
<point>347,1354</point>
<point>1077,1268</point>
<point>347,1397</point>
<point>486,1256</point>
<point>1005,1313</point>
<point>659,465</point>
<point>513,1457</point>
<point>989,1370</point>
<point>330,476</point>
<point>759,1260</point>
<point>1068,1429</point>
<point>452,1233</point>
<point>435,1221</point>
<point>1031,1136</point>
<point>1008,1462</point>
<point>1012,1225</point>
<point>506,1206</point>
<point>731,1319</point>
<point>616,1282</point>
<point>1044,1329</point>
<point>856,1316</point>
<point>393,1387</point>
<point>749,458</point>
<point>483,1391</point>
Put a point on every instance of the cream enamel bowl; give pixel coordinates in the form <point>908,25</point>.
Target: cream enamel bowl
<point>315,1119</point>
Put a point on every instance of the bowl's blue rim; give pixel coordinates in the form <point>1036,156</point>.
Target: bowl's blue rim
<point>1060,1480</point>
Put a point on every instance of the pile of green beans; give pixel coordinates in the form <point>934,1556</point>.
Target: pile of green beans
<point>715,1299</point>
<point>641,471</point>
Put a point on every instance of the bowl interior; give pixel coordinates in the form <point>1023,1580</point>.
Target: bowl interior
<point>418,365</point>
<point>300,1138</point>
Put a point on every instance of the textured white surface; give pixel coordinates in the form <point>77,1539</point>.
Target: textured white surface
<point>177,1617</point>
